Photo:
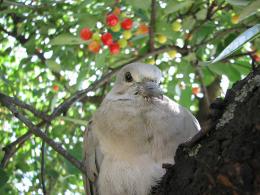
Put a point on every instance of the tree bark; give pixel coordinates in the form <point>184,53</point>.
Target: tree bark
<point>227,159</point>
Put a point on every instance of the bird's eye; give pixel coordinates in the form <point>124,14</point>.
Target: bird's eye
<point>128,77</point>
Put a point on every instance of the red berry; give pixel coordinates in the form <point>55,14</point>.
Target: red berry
<point>55,88</point>
<point>107,39</point>
<point>142,29</point>
<point>94,46</point>
<point>195,90</point>
<point>256,58</point>
<point>85,34</point>
<point>114,48</point>
<point>127,24</point>
<point>112,20</point>
<point>117,11</point>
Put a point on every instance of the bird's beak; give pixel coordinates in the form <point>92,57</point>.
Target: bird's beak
<point>149,89</point>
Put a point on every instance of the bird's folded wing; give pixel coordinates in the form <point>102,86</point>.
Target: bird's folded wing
<point>191,123</point>
<point>92,158</point>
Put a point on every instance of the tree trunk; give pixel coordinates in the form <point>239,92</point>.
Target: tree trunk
<point>227,159</point>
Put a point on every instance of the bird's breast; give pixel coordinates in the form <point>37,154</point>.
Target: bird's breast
<point>130,128</point>
<point>129,177</point>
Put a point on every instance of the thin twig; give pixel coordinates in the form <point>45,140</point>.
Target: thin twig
<point>21,104</point>
<point>17,4</point>
<point>43,172</point>
<point>13,147</point>
<point>36,131</point>
<point>210,9</point>
<point>152,25</point>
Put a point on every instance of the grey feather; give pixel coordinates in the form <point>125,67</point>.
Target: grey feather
<point>92,157</point>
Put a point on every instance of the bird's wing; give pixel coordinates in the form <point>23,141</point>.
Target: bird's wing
<point>191,123</point>
<point>183,121</point>
<point>92,158</point>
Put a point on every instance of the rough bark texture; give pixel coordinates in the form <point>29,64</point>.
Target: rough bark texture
<point>227,159</point>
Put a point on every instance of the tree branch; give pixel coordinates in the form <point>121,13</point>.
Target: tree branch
<point>36,131</point>
<point>28,107</point>
<point>203,86</point>
<point>43,164</point>
<point>43,167</point>
<point>152,25</point>
<point>6,2</point>
<point>13,147</point>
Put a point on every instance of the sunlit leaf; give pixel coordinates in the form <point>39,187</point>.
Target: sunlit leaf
<point>238,42</point>
<point>54,101</point>
<point>54,66</point>
<point>185,98</point>
<point>87,20</point>
<point>140,4</point>
<point>77,152</point>
<point>201,15</point>
<point>67,39</point>
<point>221,68</point>
<point>74,120</point>
<point>238,2</point>
<point>250,10</point>
<point>174,6</point>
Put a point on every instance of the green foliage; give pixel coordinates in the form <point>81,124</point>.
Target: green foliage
<point>238,42</point>
<point>40,50</point>
<point>3,177</point>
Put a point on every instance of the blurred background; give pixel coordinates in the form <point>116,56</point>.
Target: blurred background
<point>49,50</point>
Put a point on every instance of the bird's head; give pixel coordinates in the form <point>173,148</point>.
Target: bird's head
<point>137,80</point>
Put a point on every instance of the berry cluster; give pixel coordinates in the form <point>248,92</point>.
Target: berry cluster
<point>115,23</point>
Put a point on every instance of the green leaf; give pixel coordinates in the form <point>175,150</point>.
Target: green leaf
<point>142,14</point>
<point>100,59</point>
<point>250,10</point>
<point>188,23</point>
<point>203,32</point>
<point>201,15</point>
<point>87,20</point>
<point>226,69</point>
<point>3,177</point>
<point>82,75</point>
<point>77,153</point>
<point>67,39</point>
<point>242,66</point>
<point>74,120</point>
<point>185,68</point>
<point>54,66</point>
<point>162,27</point>
<point>249,34</point>
<point>185,98</point>
<point>238,2</point>
<point>54,101</point>
<point>208,76</point>
<point>174,6</point>
<point>30,45</point>
<point>140,4</point>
